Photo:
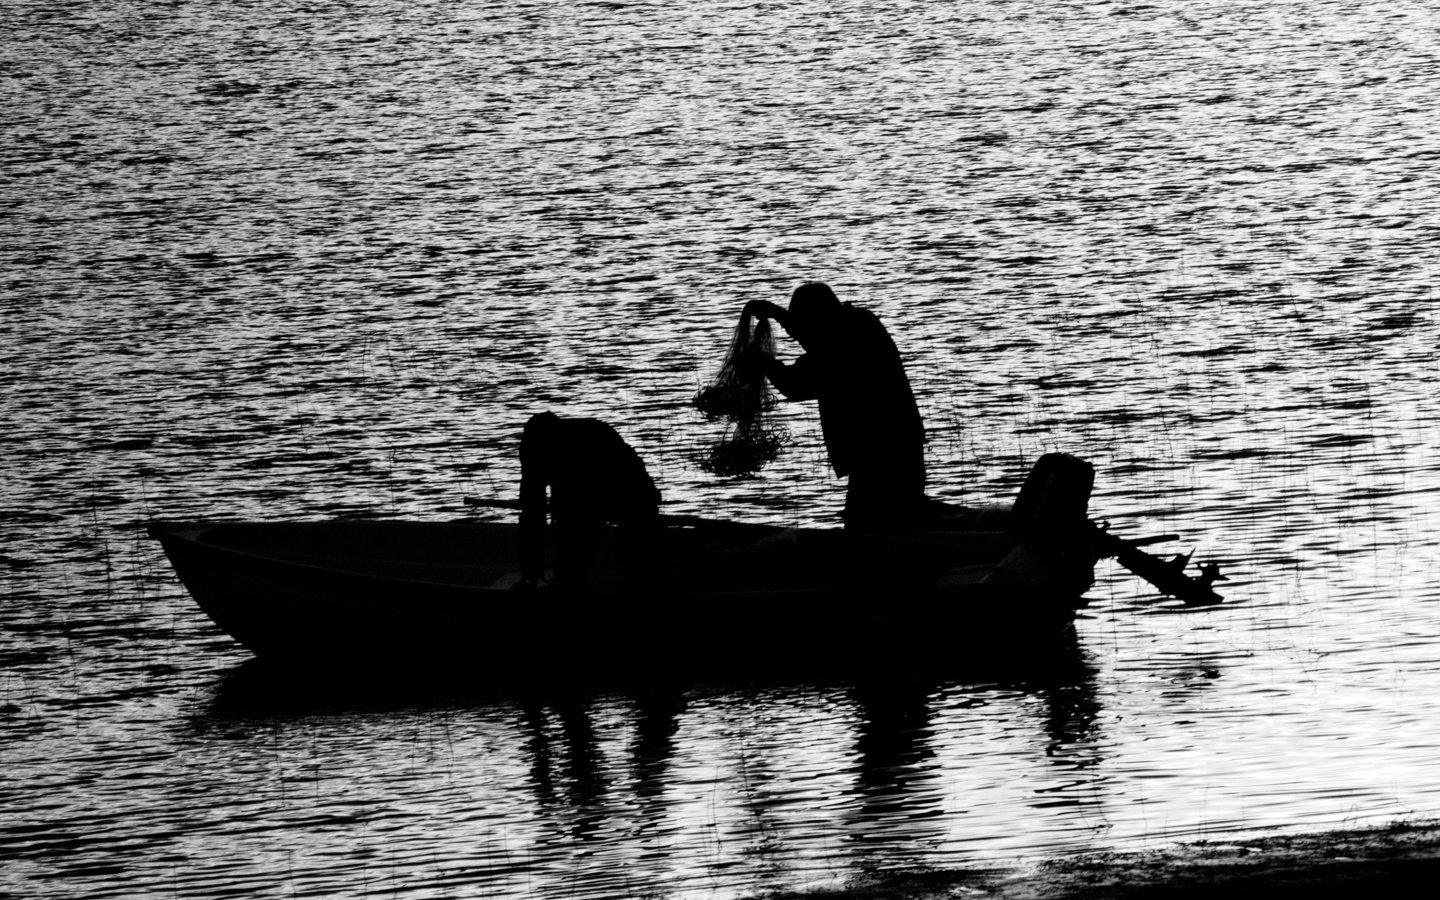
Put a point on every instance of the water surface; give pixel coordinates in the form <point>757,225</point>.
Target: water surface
<point>307,260</point>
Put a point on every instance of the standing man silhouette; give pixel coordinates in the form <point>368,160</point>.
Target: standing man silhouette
<point>873,431</point>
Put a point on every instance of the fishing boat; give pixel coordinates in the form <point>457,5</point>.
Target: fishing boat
<point>692,592</point>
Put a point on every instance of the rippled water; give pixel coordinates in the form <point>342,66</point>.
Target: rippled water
<point>305,259</point>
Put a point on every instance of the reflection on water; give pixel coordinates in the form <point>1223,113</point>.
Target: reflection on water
<point>305,260</point>
<point>774,781</point>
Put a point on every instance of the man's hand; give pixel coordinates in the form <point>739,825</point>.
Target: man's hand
<point>764,309</point>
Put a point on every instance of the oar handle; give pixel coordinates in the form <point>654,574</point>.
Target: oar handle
<point>492,503</point>
<point>497,503</point>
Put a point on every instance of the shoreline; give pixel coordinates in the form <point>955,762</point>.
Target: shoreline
<point>1403,858</point>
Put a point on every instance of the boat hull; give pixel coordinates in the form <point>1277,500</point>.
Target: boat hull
<point>721,597</point>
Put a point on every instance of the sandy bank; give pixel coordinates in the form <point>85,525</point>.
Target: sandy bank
<point>1401,860</point>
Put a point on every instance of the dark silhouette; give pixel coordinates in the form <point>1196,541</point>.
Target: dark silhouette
<point>893,745</point>
<point>873,431</point>
<point>565,761</point>
<point>593,477</point>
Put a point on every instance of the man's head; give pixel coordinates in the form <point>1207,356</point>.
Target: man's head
<point>813,309</point>
<point>542,428</point>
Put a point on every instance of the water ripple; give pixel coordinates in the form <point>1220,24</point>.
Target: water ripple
<point>325,261</point>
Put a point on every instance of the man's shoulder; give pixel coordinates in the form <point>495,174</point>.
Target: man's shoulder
<point>863,323</point>
<point>859,314</point>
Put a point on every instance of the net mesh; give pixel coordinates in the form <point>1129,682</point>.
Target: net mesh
<point>740,396</point>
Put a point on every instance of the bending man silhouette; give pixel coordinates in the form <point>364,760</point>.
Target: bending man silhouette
<point>592,477</point>
<point>872,426</point>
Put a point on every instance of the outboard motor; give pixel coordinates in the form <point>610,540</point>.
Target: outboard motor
<point>1051,518</point>
<point>1053,507</point>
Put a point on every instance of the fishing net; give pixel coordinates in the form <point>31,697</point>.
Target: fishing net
<point>740,396</point>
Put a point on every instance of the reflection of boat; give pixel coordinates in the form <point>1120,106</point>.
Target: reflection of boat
<point>696,591</point>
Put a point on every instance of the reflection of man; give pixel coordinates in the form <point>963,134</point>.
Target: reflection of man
<point>592,477</point>
<point>873,431</point>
